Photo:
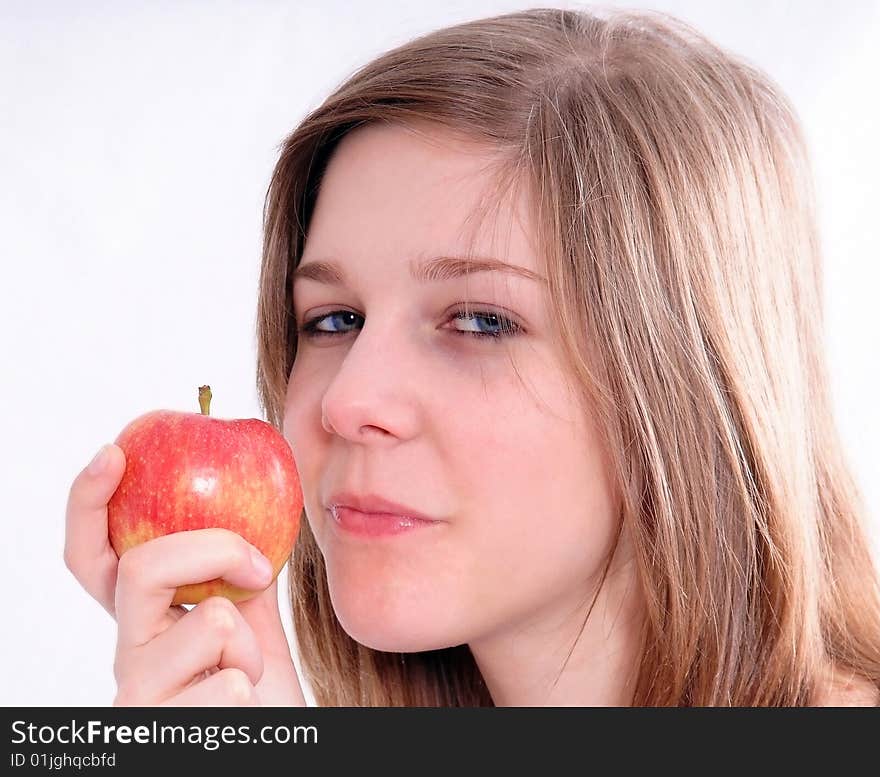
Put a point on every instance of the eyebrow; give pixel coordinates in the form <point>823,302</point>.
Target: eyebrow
<point>438,268</point>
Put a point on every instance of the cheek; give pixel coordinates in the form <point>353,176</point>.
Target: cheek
<point>550,514</point>
<point>534,462</point>
<point>302,412</point>
<point>302,429</point>
<point>543,511</point>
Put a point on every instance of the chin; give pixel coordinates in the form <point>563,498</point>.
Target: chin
<point>390,618</point>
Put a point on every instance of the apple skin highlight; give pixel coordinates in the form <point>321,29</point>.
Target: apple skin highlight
<point>188,471</point>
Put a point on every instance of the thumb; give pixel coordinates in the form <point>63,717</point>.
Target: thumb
<point>87,550</point>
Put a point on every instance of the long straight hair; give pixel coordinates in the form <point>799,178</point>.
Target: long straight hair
<point>672,196</point>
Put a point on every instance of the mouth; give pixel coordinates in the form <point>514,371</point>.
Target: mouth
<point>374,503</point>
<point>366,524</point>
<point>372,515</point>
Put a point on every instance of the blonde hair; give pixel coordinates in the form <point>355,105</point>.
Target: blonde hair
<point>672,197</point>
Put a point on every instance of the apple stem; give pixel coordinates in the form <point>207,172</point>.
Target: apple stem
<point>205,399</point>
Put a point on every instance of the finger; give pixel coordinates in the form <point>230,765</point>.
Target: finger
<point>279,684</point>
<point>87,550</point>
<point>149,574</point>
<point>212,634</point>
<point>226,688</point>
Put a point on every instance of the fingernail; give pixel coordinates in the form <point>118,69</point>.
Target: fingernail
<point>262,565</point>
<point>98,464</point>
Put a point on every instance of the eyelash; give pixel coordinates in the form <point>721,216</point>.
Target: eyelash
<point>508,328</point>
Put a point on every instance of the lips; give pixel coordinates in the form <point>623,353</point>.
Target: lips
<point>373,503</point>
<point>354,522</point>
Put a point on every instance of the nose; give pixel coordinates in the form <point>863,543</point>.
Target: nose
<point>374,396</point>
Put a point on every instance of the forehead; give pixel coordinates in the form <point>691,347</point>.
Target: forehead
<point>396,193</point>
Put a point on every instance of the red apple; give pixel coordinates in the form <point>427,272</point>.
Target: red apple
<point>192,471</point>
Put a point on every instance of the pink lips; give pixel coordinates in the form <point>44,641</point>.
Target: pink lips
<point>374,516</point>
<point>375,524</point>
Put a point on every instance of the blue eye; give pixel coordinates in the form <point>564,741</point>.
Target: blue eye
<point>310,328</point>
<point>498,326</point>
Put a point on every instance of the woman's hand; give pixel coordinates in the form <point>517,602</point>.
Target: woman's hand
<point>218,653</point>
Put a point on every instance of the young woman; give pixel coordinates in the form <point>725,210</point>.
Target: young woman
<point>545,290</point>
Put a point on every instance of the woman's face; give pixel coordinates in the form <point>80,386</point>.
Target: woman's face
<point>399,398</point>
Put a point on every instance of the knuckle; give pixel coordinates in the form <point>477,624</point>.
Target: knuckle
<point>219,614</point>
<point>222,537</point>
<point>131,565</point>
<point>230,549</point>
<point>237,687</point>
<point>239,555</point>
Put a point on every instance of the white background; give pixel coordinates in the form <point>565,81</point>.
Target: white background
<point>136,144</point>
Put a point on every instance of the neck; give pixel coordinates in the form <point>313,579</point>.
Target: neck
<point>554,658</point>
